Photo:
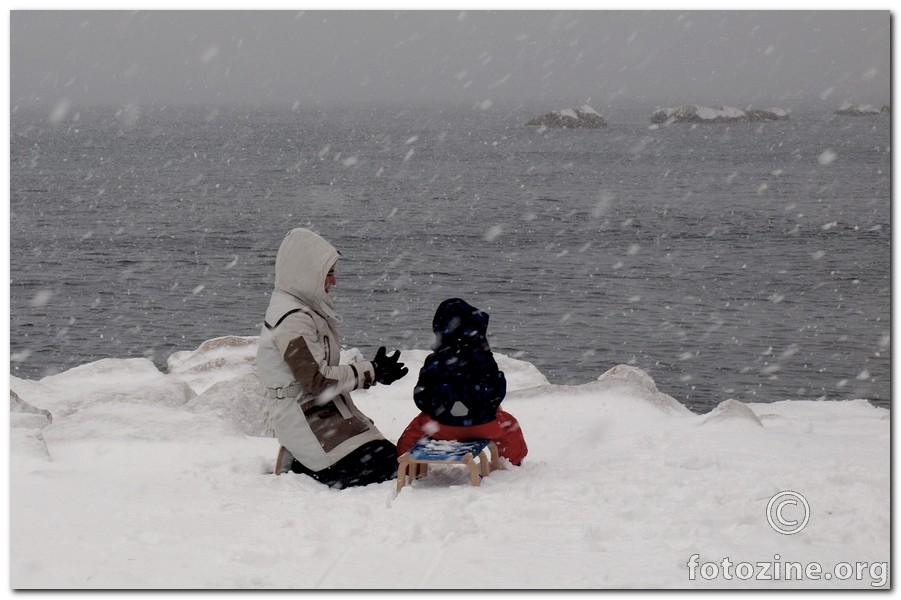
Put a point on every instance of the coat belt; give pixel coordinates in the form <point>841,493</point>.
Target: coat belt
<point>280,393</point>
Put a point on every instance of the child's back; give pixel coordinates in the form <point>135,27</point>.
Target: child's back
<point>460,386</point>
<point>460,383</point>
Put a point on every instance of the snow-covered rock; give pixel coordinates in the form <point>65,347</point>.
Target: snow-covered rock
<point>26,423</point>
<point>201,367</point>
<point>693,113</point>
<point>519,373</point>
<point>103,381</point>
<point>859,110</point>
<point>732,411</point>
<point>766,114</point>
<point>571,118</point>
<point>17,407</point>
<point>238,401</point>
<point>640,385</point>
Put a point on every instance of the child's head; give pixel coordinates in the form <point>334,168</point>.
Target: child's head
<point>458,323</point>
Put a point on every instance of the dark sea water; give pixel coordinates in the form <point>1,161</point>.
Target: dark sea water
<point>746,261</point>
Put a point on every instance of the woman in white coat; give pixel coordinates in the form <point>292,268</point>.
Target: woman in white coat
<point>322,433</point>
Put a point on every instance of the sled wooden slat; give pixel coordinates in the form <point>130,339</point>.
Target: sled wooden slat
<point>415,463</point>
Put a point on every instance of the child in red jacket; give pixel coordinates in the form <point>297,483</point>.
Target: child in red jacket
<point>460,387</point>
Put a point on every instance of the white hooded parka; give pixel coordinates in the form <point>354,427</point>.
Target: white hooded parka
<point>298,359</point>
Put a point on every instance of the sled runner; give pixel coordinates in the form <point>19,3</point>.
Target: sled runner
<point>415,463</point>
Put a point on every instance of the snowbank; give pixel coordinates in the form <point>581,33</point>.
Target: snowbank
<point>135,478</point>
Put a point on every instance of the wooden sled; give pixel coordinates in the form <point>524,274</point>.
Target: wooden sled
<point>415,463</point>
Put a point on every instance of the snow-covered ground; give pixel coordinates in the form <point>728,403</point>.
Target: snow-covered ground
<point>146,479</point>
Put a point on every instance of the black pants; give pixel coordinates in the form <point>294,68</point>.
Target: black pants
<point>373,462</point>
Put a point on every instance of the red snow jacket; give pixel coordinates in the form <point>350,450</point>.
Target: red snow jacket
<point>503,431</point>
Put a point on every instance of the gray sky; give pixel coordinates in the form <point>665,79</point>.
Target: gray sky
<point>537,57</point>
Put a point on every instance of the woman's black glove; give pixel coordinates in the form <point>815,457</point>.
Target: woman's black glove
<point>387,368</point>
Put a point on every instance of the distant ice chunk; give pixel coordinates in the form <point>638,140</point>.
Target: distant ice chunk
<point>693,113</point>
<point>571,118</point>
<point>860,110</point>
